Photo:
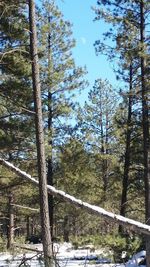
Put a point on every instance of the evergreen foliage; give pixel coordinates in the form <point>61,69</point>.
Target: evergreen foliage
<point>100,158</point>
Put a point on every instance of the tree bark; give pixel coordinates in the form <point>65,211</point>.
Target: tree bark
<point>45,224</point>
<point>50,164</point>
<point>50,197</point>
<point>127,155</point>
<point>10,235</point>
<point>66,228</point>
<point>28,227</point>
<point>146,141</point>
<point>50,115</point>
<point>126,222</point>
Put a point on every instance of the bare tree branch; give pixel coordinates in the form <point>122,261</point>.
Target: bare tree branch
<point>24,207</point>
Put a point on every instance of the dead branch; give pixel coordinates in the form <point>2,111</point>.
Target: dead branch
<point>27,248</point>
<point>24,207</point>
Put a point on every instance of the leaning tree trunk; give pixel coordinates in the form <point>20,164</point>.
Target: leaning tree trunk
<point>146,141</point>
<point>127,156</point>
<point>132,225</point>
<point>45,224</point>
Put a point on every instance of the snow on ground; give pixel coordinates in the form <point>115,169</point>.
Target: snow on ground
<point>65,254</point>
<point>136,259</point>
<point>67,257</point>
<point>65,250</point>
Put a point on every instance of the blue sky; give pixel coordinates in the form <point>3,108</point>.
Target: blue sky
<point>85,31</point>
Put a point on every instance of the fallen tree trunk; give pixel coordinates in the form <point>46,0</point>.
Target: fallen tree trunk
<point>92,209</point>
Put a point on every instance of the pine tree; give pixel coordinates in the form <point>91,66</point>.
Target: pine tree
<point>127,71</point>
<point>16,112</point>
<point>96,125</point>
<point>15,89</point>
<point>60,79</point>
<point>45,224</point>
<point>115,12</point>
<point>75,173</point>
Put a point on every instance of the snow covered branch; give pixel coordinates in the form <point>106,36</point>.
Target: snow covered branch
<point>92,209</point>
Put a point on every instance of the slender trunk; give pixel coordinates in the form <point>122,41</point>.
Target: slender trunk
<point>146,143</point>
<point>66,228</point>
<point>10,239</point>
<point>50,177</point>
<point>106,149</point>
<point>28,227</point>
<point>127,155</point>
<point>50,166</point>
<point>102,150</point>
<point>50,197</point>
<point>45,224</point>
<point>32,227</point>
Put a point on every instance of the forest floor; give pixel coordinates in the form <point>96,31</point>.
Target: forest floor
<point>66,256</point>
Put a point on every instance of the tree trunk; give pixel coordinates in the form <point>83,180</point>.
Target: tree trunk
<point>50,197</point>
<point>28,227</point>
<point>105,162</point>
<point>10,235</point>
<point>66,228</point>
<point>45,224</point>
<point>127,155</point>
<point>146,141</point>
<point>50,163</point>
<point>104,177</point>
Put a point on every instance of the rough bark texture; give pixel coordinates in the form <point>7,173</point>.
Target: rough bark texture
<point>146,142</point>
<point>127,156</point>
<point>126,222</point>
<point>10,238</point>
<point>45,224</point>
